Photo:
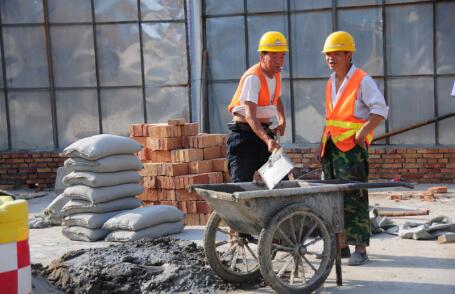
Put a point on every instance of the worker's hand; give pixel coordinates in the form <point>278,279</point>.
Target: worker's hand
<point>279,130</point>
<point>317,153</point>
<point>272,145</point>
<point>360,140</point>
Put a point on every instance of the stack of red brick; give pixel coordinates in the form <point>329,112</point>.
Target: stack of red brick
<point>175,155</point>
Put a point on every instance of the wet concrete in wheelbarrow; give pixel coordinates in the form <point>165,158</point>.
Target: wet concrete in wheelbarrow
<point>163,265</point>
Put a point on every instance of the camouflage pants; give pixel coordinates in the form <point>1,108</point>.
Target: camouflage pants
<point>352,166</point>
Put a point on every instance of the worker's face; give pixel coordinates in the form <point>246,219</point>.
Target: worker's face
<point>339,60</point>
<point>273,62</point>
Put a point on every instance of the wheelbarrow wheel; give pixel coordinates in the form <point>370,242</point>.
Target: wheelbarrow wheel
<point>296,250</point>
<point>232,255</point>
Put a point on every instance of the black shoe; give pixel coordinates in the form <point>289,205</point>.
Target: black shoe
<point>345,252</point>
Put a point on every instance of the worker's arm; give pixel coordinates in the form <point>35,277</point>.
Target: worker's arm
<point>255,124</point>
<point>372,123</point>
<point>279,130</point>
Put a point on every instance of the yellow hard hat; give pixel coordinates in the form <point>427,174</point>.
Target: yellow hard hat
<point>273,42</point>
<point>339,41</point>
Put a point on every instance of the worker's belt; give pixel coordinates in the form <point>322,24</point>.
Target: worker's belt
<point>244,127</point>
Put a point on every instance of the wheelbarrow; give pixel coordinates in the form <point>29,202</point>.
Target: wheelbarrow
<point>289,235</point>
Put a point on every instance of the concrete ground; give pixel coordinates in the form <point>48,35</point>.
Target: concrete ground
<point>396,265</point>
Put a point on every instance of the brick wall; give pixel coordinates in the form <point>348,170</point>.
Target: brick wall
<point>28,169</point>
<point>420,165</point>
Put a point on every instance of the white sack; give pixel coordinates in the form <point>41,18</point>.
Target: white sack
<point>103,145</point>
<point>103,194</point>
<point>84,234</point>
<point>81,206</point>
<point>144,217</point>
<point>89,220</point>
<point>112,163</point>
<point>147,233</point>
<point>53,212</point>
<point>94,180</point>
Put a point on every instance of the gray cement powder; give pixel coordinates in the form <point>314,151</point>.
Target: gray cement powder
<point>162,265</point>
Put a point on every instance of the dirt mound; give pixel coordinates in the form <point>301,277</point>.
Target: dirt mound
<point>163,265</point>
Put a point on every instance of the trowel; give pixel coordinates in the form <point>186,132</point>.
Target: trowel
<point>276,168</point>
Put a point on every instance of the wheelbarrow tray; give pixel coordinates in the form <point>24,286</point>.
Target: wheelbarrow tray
<point>247,207</point>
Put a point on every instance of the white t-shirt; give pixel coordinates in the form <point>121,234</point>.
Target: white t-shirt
<point>250,92</point>
<point>369,98</point>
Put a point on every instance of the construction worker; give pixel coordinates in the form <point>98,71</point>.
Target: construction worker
<point>255,102</point>
<point>354,108</point>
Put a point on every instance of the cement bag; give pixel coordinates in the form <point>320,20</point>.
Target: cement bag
<point>103,194</point>
<point>89,220</point>
<point>101,179</point>
<point>144,217</point>
<point>84,234</point>
<point>53,212</point>
<point>107,164</point>
<point>147,233</point>
<point>98,146</point>
<point>81,206</point>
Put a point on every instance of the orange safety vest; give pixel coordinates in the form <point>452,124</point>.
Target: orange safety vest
<point>340,122</point>
<point>264,95</point>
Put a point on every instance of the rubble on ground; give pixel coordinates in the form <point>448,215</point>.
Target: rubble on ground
<point>163,265</point>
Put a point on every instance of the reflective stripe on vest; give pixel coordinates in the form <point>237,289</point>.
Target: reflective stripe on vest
<point>341,124</point>
<point>264,95</point>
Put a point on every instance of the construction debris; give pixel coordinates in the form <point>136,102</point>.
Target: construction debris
<point>162,265</point>
<point>421,211</point>
<point>447,238</point>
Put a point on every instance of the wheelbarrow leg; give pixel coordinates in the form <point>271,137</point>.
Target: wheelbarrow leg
<point>340,242</point>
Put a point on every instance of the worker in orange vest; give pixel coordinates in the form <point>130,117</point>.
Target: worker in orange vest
<point>354,108</point>
<point>255,102</point>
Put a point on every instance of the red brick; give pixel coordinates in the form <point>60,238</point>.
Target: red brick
<point>159,155</point>
<point>163,130</point>
<point>219,164</point>
<point>140,140</point>
<point>135,130</point>
<point>192,219</point>
<point>191,206</point>
<point>206,140</point>
<point>199,167</point>
<point>190,129</point>
<point>166,169</point>
<point>164,143</point>
<point>185,195</point>
<point>187,155</point>
<point>176,121</point>
<point>143,155</point>
<point>165,182</point>
<point>212,152</point>
<point>202,207</point>
<point>150,182</point>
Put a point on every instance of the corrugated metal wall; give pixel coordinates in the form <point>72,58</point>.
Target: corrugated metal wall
<point>407,46</point>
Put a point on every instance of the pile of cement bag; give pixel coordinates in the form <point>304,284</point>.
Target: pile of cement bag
<point>145,222</point>
<point>103,183</point>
